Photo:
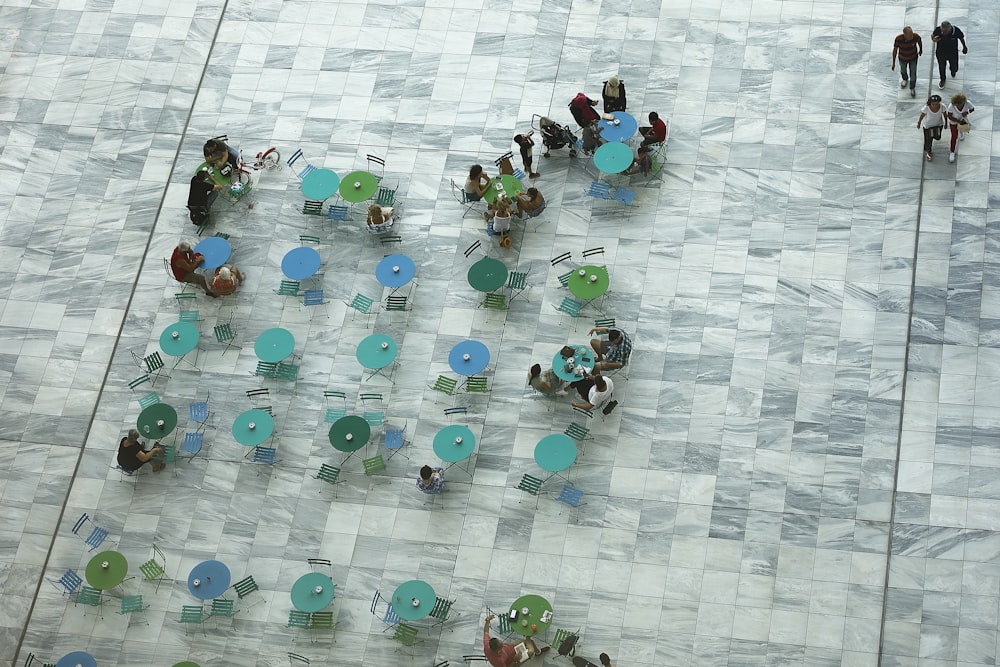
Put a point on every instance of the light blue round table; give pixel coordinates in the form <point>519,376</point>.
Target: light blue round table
<point>395,271</point>
<point>584,358</point>
<point>263,427</point>
<point>623,131</point>
<point>555,452</point>
<point>478,357</point>
<point>179,338</point>
<point>77,659</point>
<point>208,579</point>
<point>300,263</point>
<point>454,443</point>
<point>613,157</point>
<point>274,345</point>
<point>312,592</point>
<point>216,251</point>
<point>320,184</point>
<point>376,351</point>
<point>410,591</point>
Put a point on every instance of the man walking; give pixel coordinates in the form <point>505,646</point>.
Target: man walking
<point>907,48</point>
<point>946,37</point>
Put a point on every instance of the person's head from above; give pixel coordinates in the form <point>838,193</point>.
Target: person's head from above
<point>374,211</point>
<point>184,246</point>
<point>520,139</point>
<point>934,101</point>
<point>215,150</point>
<point>532,192</point>
<point>614,335</point>
<point>133,436</point>
<point>959,99</point>
<point>653,116</point>
<point>599,383</point>
<point>544,122</point>
<point>496,645</point>
<point>426,472</point>
<point>605,659</point>
<point>225,273</point>
<point>475,172</point>
<point>613,81</point>
<point>536,370</point>
<point>945,28</point>
<point>908,32</point>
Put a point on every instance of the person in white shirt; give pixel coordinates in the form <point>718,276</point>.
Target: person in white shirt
<point>599,395</point>
<point>958,114</point>
<point>931,121</point>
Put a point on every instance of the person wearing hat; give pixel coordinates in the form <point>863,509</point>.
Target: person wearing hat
<point>613,93</point>
<point>226,280</point>
<point>946,38</point>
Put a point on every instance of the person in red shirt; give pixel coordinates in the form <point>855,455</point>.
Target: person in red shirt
<point>656,133</point>
<point>183,263</point>
<point>226,280</point>
<point>500,654</point>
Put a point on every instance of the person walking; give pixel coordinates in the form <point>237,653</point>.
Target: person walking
<point>947,36</point>
<point>931,121</point>
<point>907,48</point>
<point>958,115</point>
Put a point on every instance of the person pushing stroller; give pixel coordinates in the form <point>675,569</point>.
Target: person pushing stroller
<point>555,136</point>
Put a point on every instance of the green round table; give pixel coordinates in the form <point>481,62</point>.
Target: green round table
<point>376,351</point>
<point>253,427</point>
<point>349,434</point>
<point>179,338</point>
<point>591,285</point>
<point>358,186</point>
<point>157,421</point>
<point>274,345</point>
<point>487,275</point>
<point>106,570</point>
<point>187,663</point>
<point>312,592</point>
<point>536,605</point>
<point>410,591</point>
<point>507,184</point>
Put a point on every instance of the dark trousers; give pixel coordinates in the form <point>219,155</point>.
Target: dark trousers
<point>930,134</point>
<point>908,70</point>
<point>947,59</point>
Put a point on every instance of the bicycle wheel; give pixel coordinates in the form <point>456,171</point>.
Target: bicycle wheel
<point>244,177</point>
<point>271,159</point>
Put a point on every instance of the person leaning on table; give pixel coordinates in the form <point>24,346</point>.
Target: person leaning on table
<point>132,456</point>
<point>477,183</point>
<point>183,263</point>
<point>500,654</point>
<point>547,383</point>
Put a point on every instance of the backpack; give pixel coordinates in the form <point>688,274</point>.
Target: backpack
<point>568,646</point>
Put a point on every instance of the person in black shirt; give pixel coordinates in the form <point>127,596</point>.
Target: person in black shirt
<point>946,37</point>
<point>132,456</point>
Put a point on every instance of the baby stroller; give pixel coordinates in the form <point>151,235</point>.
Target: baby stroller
<point>554,135</point>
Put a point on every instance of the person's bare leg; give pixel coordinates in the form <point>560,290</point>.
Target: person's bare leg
<point>596,344</point>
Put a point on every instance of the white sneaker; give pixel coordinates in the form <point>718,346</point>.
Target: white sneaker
<point>902,84</point>
<point>951,157</point>
<point>961,136</point>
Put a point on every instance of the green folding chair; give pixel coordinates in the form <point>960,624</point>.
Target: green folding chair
<point>91,597</point>
<point>477,385</point>
<point>330,475</point>
<point>193,615</point>
<point>441,610</point>
<point>298,619</point>
<point>530,485</point>
<point>148,399</point>
<point>445,385</point>
<point>580,434</point>
<point>223,608</point>
<point>375,464</point>
<point>154,569</point>
<point>131,605</point>
<point>517,282</point>
<point>495,302</point>
<point>362,304</point>
<point>244,587</point>
<point>406,635</point>
<point>338,399</point>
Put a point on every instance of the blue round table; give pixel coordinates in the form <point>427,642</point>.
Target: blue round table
<point>395,271</point>
<point>584,358</point>
<point>406,593</point>
<point>613,157</point>
<point>320,184</point>
<point>478,357</point>
<point>312,592</point>
<point>300,263</point>
<point>208,579</point>
<point>216,251</point>
<point>454,443</point>
<point>263,427</point>
<point>376,351</point>
<point>179,338</point>
<point>274,345</point>
<point>623,131</point>
<point>555,452</point>
<point>77,659</point>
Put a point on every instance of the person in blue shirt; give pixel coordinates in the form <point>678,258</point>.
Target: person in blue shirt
<point>431,480</point>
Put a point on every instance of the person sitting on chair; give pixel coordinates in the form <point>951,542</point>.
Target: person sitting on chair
<point>599,395</point>
<point>613,93</point>
<point>642,163</point>
<point>183,263</point>
<point>132,455</point>
<point>500,654</point>
<point>547,383</point>
<point>222,160</point>
<point>656,133</point>
<point>477,183</point>
<point>499,212</point>
<point>226,280</point>
<point>380,219</point>
<point>529,203</point>
<point>612,353</point>
<point>431,480</point>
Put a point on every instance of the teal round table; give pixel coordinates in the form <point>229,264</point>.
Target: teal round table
<point>179,338</point>
<point>454,443</point>
<point>555,452</point>
<point>589,282</point>
<point>253,427</point>
<point>312,592</point>
<point>274,345</point>
<point>531,624</point>
<point>376,351</point>
<point>487,275</point>
<point>584,358</point>
<point>358,186</point>
<point>506,183</point>
<point>613,157</point>
<point>413,600</point>
<point>157,421</point>
<point>320,184</point>
<point>349,434</point>
<point>106,570</point>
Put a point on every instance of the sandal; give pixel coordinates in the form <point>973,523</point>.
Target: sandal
<point>928,155</point>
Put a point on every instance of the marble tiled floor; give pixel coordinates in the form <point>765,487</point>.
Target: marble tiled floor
<point>803,467</point>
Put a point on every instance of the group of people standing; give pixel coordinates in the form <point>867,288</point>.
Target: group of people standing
<point>935,116</point>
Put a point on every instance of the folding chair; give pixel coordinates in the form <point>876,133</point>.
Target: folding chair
<point>244,587</point>
<point>152,364</point>
<point>570,496</point>
<point>90,597</point>
<point>192,443</point>
<point>198,412</point>
<point>580,434</point>
<point>517,282</point>
<point>506,166</point>
<point>373,409</point>
<point>570,307</point>
<point>599,191</point>
<point>69,583</point>
<point>390,618</point>
<point>591,253</point>
<point>564,278</point>
<point>377,162</point>
<point>493,301</point>
<point>472,248</point>
<point>338,399</point>
<point>445,385</point>
<point>225,333</point>
<point>97,534</point>
<point>394,441</point>
<point>363,304</point>
<point>462,197</point>
<point>154,569</point>
<point>530,485</point>
<point>132,604</point>
<point>148,399</point>
<point>330,475</point>
<point>301,173</point>
<point>194,615</point>
<point>406,635</point>
<point>184,301</point>
<point>260,399</point>
<point>314,297</point>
